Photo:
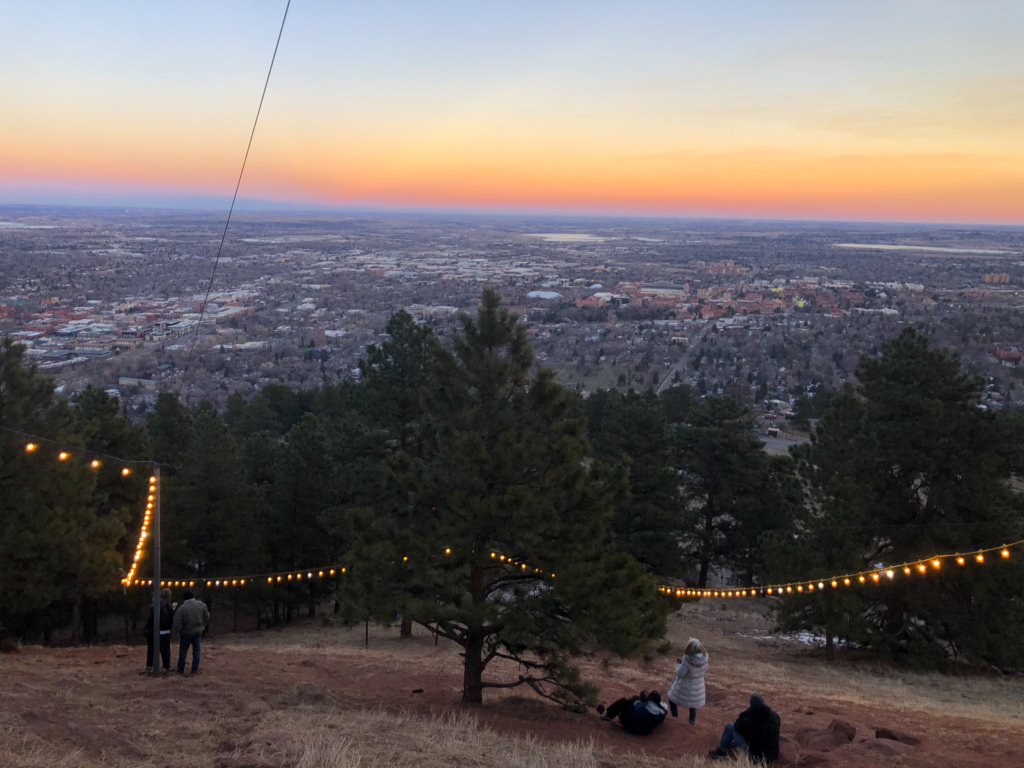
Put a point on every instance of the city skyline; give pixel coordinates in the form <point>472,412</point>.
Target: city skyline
<point>906,111</point>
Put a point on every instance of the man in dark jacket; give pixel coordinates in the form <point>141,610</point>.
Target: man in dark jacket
<point>756,732</point>
<point>191,620</point>
<point>166,620</point>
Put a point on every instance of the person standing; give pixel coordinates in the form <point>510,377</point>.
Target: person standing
<point>164,633</point>
<point>191,620</point>
<point>687,690</point>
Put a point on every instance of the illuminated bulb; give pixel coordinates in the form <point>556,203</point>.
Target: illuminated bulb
<point>448,550</point>
<point>936,563</point>
<point>810,587</point>
<point>270,579</point>
<point>278,578</point>
<point>309,575</point>
<point>494,554</point>
<point>800,588</point>
<point>503,558</point>
<point>789,589</point>
<point>769,590</point>
<point>95,464</point>
<point>191,583</point>
<point>846,582</point>
<point>405,559</point>
<point>125,472</point>
<point>63,456</point>
<point>342,570</point>
<point>861,579</point>
<point>321,574</point>
<point>29,447</point>
<point>890,574</point>
<point>552,575</point>
<point>152,479</point>
<point>137,557</point>
<point>744,593</point>
<point>524,566</point>
<point>821,585</point>
<point>874,576</point>
<point>960,560</point>
<point>1005,552</point>
<point>834,583</point>
<point>289,577</point>
<point>980,557</point>
<point>906,569</point>
<point>233,583</point>
<point>209,584</point>
<point>332,571</point>
<point>922,567</point>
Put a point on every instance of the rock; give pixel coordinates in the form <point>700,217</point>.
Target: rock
<point>886,747</point>
<point>310,693</point>
<point>841,726</point>
<point>903,738</point>
<point>813,740</point>
<point>788,752</point>
<point>812,761</point>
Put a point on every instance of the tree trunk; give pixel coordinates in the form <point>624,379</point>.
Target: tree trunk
<point>406,630</point>
<point>234,614</point>
<point>830,647</point>
<point>473,670</point>
<point>702,580</point>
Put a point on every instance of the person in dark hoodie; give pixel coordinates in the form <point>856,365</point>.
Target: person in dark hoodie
<point>166,620</point>
<point>756,732</point>
<point>638,715</point>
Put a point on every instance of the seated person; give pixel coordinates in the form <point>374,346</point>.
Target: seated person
<point>756,732</point>
<point>638,715</point>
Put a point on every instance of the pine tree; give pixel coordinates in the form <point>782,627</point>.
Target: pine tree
<point>631,429</point>
<point>501,529</point>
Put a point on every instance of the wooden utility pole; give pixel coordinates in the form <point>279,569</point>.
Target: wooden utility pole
<point>155,485</point>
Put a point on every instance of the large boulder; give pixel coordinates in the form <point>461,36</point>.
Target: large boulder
<point>788,752</point>
<point>843,727</point>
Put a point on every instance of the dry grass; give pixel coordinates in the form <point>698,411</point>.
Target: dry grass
<point>341,740</point>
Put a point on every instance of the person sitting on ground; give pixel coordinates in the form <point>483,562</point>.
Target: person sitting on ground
<point>191,620</point>
<point>687,690</point>
<point>756,732</point>
<point>638,715</point>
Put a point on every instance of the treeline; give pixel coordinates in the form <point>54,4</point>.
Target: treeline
<point>443,461</point>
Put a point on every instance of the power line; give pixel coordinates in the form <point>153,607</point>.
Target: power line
<point>216,261</point>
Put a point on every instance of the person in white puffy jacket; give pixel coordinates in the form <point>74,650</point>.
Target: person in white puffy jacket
<point>687,690</point>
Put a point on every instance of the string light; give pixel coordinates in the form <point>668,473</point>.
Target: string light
<point>1005,553</point>
<point>30,447</point>
<point>63,455</point>
<point>125,471</point>
<point>95,463</point>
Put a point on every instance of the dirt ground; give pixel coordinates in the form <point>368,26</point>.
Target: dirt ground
<point>263,698</point>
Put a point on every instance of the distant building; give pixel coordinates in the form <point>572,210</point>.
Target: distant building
<point>996,277</point>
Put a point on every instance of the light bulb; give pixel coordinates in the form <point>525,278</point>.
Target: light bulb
<point>125,471</point>
<point>95,464</point>
<point>63,456</point>
<point>30,447</point>
<point>936,563</point>
<point>1005,552</point>
<point>890,574</point>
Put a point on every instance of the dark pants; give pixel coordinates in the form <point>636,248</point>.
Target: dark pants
<point>186,641</point>
<point>621,709</point>
<point>675,712</point>
<point>731,738</point>
<point>165,651</point>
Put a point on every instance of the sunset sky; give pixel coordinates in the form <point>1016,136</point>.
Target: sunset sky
<point>898,111</point>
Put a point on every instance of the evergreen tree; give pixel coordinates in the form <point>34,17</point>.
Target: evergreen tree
<point>833,532</point>
<point>55,546</point>
<point>734,491</point>
<point>501,530</point>
<point>631,429</point>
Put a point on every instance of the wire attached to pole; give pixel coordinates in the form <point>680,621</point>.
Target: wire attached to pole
<point>216,261</point>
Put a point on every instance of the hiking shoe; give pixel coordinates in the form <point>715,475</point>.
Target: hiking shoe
<point>717,754</point>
